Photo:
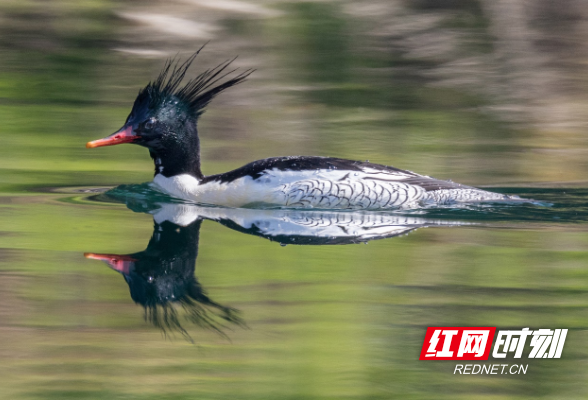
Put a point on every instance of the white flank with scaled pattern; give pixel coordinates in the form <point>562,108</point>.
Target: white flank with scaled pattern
<point>368,189</point>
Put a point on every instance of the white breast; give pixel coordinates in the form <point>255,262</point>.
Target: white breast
<point>237,193</point>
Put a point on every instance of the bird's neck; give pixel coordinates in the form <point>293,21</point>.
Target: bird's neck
<point>181,157</point>
<point>170,241</point>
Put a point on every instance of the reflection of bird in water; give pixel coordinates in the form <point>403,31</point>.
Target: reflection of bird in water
<point>163,275</point>
<point>298,226</point>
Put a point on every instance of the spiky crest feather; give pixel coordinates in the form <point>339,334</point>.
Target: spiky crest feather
<point>197,92</point>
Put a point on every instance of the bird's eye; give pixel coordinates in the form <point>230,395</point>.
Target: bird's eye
<point>149,124</point>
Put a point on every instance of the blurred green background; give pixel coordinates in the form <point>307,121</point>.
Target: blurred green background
<point>484,92</point>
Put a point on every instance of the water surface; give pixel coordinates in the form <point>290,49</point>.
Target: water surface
<point>440,89</point>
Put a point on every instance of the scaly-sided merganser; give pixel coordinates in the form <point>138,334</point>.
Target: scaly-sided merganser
<point>164,119</point>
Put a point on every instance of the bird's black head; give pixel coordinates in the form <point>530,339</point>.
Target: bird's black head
<point>165,114</point>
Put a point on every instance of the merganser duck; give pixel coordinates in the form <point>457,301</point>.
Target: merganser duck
<point>164,119</point>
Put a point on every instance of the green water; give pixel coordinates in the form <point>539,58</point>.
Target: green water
<point>306,322</point>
